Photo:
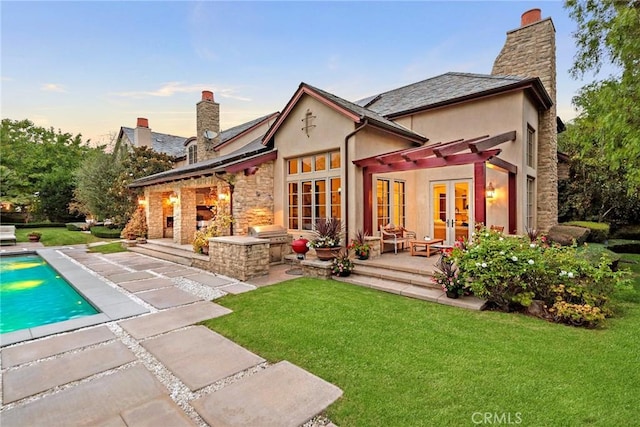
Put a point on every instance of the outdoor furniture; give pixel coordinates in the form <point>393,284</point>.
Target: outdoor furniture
<point>8,233</point>
<point>396,237</point>
<point>415,244</point>
<point>439,247</point>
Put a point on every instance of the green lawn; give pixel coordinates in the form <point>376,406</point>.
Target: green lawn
<point>58,236</point>
<point>109,248</point>
<point>405,362</point>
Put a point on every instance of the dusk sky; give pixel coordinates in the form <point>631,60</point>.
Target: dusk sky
<point>91,67</point>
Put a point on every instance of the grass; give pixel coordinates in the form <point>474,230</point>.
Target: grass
<point>405,362</point>
<point>58,236</point>
<point>109,248</point>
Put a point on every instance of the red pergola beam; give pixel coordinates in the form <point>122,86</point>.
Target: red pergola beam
<point>435,162</point>
<point>487,143</point>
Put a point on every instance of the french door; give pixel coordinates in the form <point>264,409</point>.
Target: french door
<point>451,210</point>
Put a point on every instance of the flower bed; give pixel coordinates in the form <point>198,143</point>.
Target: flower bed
<point>527,274</point>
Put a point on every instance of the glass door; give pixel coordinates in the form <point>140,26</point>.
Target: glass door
<point>451,208</point>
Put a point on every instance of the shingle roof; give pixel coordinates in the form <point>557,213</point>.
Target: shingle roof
<point>364,112</point>
<point>435,90</point>
<point>231,133</point>
<point>162,142</point>
<point>252,149</point>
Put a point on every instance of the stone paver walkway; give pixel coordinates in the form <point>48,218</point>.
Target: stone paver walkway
<point>156,368</point>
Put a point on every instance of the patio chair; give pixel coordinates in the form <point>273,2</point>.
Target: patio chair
<point>8,233</point>
<point>396,236</point>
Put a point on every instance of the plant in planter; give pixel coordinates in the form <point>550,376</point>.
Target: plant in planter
<point>448,277</point>
<point>217,227</point>
<point>342,265</point>
<point>327,234</point>
<point>359,245</point>
<point>136,228</point>
<point>34,236</point>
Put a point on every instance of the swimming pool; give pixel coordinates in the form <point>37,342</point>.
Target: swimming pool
<point>33,294</point>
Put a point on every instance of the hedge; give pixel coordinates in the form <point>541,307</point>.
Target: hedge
<point>599,230</point>
<point>630,232</point>
<point>38,225</point>
<point>77,226</point>
<point>106,233</point>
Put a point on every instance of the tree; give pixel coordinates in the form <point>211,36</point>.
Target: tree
<point>32,155</point>
<point>103,180</point>
<point>607,128</point>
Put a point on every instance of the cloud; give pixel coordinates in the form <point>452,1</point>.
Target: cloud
<point>6,79</point>
<point>172,88</point>
<point>52,87</point>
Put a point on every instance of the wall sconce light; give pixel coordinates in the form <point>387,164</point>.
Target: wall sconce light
<point>491,192</point>
<point>223,196</point>
<point>173,198</point>
<point>142,202</point>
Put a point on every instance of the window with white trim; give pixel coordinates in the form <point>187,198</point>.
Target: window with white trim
<point>391,202</point>
<point>313,189</point>
<point>531,203</point>
<point>192,154</point>
<point>531,147</point>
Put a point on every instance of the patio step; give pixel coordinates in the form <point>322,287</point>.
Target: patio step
<point>399,274</point>
<point>167,253</point>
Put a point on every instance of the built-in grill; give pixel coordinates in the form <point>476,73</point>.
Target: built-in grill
<point>279,240</point>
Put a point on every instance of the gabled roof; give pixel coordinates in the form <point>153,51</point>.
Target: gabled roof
<point>353,111</point>
<point>227,136</point>
<point>161,142</point>
<point>450,88</point>
<point>252,151</point>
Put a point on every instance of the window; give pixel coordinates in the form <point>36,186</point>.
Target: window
<point>531,202</point>
<point>531,147</point>
<point>314,191</point>
<point>192,154</point>
<point>391,202</point>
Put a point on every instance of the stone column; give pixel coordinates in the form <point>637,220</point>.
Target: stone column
<point>154,215</point>
<point>184,216</point>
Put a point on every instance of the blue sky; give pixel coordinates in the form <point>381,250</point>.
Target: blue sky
<point>91,67</point>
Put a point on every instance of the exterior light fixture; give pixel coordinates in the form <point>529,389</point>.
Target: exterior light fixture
<point>491,192</point>
<point>142,201</point>
<point>223,196</point>
<point>173,198</point>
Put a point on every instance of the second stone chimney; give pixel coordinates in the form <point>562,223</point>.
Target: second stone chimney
<point>530,51</point>
<point>142,133</point>
<point>207,126</point>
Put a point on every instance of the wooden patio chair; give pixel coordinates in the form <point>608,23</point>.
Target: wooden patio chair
<point>396,237</point>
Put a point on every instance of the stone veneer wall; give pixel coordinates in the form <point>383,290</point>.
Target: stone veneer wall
<point>253,199</point>
<point>240,257</point>
<point>155,220</point>
<point>530,51</point>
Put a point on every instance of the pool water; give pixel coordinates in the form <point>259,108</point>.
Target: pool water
<point>33,294</point>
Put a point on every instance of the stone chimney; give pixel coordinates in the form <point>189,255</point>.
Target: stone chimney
<point>142,133</point>
<point>530,51</point>
<point>208,126</point>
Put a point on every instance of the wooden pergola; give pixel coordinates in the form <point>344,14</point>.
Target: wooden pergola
<point>479,151</point>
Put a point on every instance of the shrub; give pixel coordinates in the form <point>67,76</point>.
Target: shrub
<point>599,230</point>
<point>625,246</point>
<point>77,226</point>
<point>136,227</point>
<point>40,225</point>
<point>105,233</point>
<point>631,232</point>
<point>512,272</point>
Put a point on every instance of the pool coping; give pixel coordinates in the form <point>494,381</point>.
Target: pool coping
<point>111,303</point>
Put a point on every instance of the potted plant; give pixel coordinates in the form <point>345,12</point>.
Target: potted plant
<point>448,277</point>
<point>326,238</point>
<point>342,265</point>
<point>200,242</point>
<point>217,227</point>
<point>360,246</point>
<point>34,236</point>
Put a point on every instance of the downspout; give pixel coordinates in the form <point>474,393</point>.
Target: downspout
<point>346,175</point>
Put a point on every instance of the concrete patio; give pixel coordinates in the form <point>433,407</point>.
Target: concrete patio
<point>155,368</point>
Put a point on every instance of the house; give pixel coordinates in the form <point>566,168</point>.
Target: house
<point>142,136</point>
<point>438,156</point>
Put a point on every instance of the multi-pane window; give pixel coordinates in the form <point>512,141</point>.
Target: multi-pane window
<point>531,147</point>
<point>192,154</point>
<point>391,202</point>
<point>313,189</point>
<point>531,202</point>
